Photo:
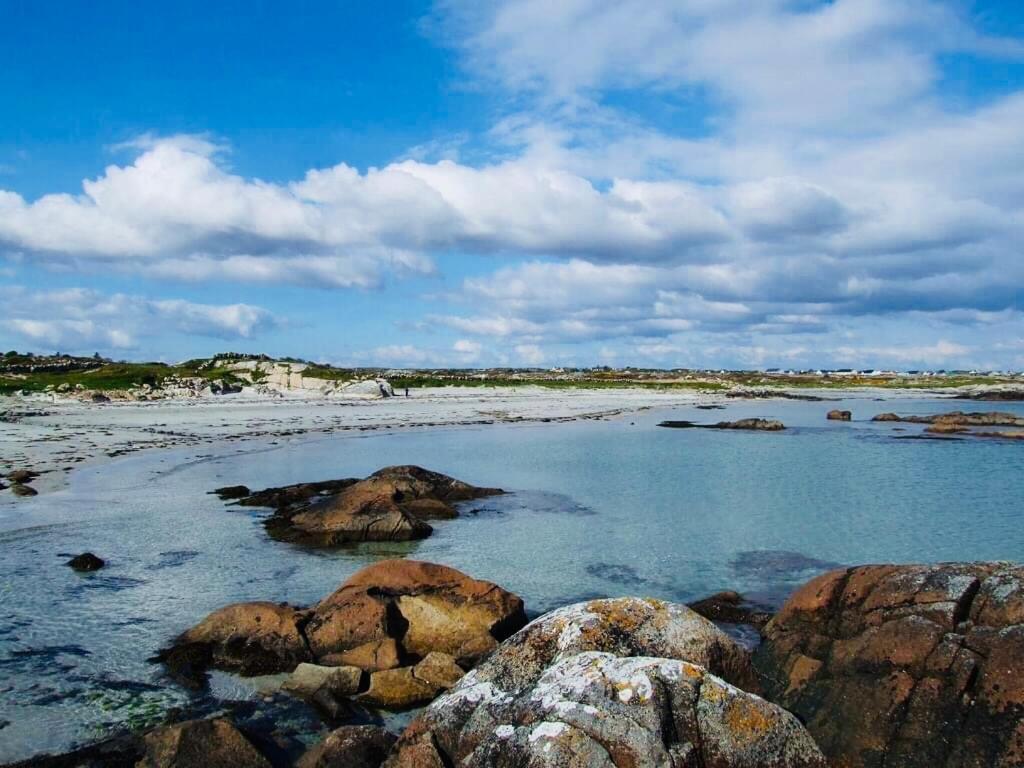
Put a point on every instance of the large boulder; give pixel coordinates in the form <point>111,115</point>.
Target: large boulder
<point>623,682</point>
<point>200,744</point>
<point>904,665</point>
<point>423,607</point>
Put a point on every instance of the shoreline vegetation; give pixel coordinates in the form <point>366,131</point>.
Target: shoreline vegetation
<point>229,372</point>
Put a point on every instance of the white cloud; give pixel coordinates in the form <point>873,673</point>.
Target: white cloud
<point>79,319</point>
<point>530,354</point>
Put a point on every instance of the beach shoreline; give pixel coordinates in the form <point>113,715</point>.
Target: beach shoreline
<point>53,435</point>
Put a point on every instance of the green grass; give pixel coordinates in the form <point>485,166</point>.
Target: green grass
<point>421,382</point>
<point>113,376</point>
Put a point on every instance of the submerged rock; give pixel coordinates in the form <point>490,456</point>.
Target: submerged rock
<point>351,746</point>
<point>86,561</point>
<point>23,490</point>
<point>213,743</point>
<point>605,683</point>
<point>916,666</point>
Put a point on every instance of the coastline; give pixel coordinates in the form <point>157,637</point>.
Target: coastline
<point>54,436</point>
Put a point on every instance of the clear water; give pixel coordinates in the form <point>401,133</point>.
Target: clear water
<point>598,508</point>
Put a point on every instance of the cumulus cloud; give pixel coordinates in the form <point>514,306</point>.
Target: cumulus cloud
<point>821,183</point>
<point>79,319</point>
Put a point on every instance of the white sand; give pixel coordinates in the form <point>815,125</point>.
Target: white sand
<point>72,434</point>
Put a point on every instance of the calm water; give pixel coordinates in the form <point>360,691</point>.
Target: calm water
<point>598,508</point>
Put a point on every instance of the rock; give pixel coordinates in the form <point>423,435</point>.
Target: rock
<point>440,670</point>
<point>943,428</point>
<point>309,679</point>
<point>387,506</point>
<point>200,744</point>
<point>249,638</point>
<point>422,606</point>
<point>86,561</point>
<point>759,425</point>
<point>351,746</point>
<point>731,608</point>
<point>398,689</point>
<point>1014,434</point>
<point>290,497</point>
<point>390,505</point>
<point>371,657</point>
<point>996,395</point>
<point>229,492</point>
<point>23,490</point>
<point>959,418</point>
<point>904,665</point>
<point>99,397</point>
<point>886,417</point>
<point>607,683</point>
<point>22,476</point>
<point>837,415</point>
<point>391,613</point>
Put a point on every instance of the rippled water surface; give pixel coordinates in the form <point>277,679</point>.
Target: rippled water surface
<point>597,508</point>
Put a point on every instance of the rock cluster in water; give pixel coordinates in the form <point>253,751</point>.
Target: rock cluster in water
<point>911,666</point>
<point>392,504</point>
<point>958,422</point>
<point>400,631</point>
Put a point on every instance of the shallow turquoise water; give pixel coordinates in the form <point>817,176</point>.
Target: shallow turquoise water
<point>597,508</point>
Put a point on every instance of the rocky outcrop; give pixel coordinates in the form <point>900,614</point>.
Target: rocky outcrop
<point>19,489</point>
<point>904,665</point>
<point>200,744</point>
<point>86,561</point>
<point>351,746</point>
<point>411,627</point>
<point>389,505</point>
<point>624,682</point>
<point>837,415</point>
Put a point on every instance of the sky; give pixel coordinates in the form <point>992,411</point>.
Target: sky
<point>655,183</point>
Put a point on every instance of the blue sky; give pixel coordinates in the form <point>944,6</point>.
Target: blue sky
<point>740,183</point>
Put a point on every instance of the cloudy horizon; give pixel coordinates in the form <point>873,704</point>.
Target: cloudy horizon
<point>656,183</point>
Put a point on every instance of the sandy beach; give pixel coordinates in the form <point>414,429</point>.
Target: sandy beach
<point>53,435</point>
